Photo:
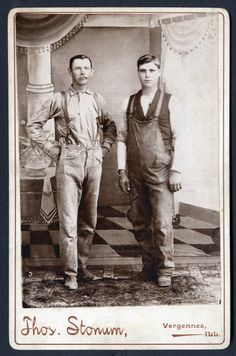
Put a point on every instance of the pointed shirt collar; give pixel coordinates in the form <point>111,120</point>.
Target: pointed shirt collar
<point>73,91</point>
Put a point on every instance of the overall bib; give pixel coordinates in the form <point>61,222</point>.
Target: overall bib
<point>149,162</point>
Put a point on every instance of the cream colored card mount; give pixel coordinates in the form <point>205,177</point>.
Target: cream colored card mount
<point>120,309</point>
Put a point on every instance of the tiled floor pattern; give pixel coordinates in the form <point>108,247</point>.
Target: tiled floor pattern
<point>115,249</point>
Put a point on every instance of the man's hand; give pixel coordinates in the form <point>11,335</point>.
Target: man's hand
<point>104,152</point>
<point>175,181</point>
<point>55,152</point>
<point>124,181</point>
<point>52,150</point>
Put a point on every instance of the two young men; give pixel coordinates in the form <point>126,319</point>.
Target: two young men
<point>147,169</point>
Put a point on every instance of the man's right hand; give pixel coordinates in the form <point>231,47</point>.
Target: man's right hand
<point>124,181</point>
<point>55,152</point>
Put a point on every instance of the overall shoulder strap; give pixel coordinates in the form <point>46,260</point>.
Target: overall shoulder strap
<point>130,108</point>
<point>164,133</point>
<point>160,101</point>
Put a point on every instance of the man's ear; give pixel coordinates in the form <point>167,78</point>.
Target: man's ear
<point>92,72</point>
<point>69,70</point>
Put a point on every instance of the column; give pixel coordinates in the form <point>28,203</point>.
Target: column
<point>39,87</point>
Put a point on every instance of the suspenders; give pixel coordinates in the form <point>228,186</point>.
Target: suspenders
<point>65,110</point>
<point>160,101</point>
<point>64,103</point>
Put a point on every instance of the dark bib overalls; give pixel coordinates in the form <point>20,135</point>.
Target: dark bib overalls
<point>149,149</point>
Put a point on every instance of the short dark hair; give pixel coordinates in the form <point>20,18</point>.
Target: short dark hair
<point>79,56</point>
<point>147,58</point>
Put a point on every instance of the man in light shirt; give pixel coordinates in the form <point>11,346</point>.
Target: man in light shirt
<point>79,113</point>
<point>149,171</point>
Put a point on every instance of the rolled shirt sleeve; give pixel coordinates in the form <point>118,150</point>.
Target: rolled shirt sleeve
<point>109,126</point>
<point>122,137</point>
<point>176,122</point>
<point>36,125</point>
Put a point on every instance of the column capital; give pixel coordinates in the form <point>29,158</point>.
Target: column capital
<point>39,49</point>
<point>40,88</point>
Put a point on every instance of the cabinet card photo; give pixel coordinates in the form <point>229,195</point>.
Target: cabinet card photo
<point>119,178</point>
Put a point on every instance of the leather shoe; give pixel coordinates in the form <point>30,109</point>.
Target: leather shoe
<point>83,273</point>
<point>164,281</point>
<point>71,282</point>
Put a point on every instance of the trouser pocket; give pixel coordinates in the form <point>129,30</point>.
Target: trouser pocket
<point>97,157</point>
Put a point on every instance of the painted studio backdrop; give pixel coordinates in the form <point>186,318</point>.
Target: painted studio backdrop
<point>187,46</point>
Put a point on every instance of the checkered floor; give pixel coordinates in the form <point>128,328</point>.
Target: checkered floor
<point>114,245</point>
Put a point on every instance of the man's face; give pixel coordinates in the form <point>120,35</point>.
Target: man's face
<point>81,71</point>
<point>148,74</point>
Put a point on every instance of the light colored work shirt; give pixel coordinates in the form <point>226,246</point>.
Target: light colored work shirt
<point>82,113</point>
<point>84,120</point>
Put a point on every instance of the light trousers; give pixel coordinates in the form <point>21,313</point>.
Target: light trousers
<point>78,182</point>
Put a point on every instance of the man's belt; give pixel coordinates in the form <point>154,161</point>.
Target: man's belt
<point>79,146</point>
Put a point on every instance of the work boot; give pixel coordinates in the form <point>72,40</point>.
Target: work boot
<point>70,282</point>
<point>164,281</point>
<point>83,273</point>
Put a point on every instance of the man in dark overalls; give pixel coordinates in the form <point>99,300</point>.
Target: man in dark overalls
<point>147,167</point>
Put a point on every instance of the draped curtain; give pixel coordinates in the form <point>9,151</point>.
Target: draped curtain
<point>40,29</point>
<point>190,70</point>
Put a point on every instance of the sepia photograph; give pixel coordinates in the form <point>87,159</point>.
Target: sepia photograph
<point>119,178</point>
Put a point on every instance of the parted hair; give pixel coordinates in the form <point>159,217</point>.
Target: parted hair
<point>147,58</point>
<point>79,56</point>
